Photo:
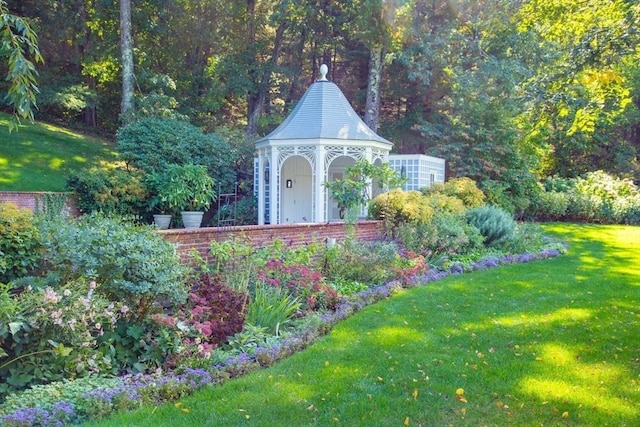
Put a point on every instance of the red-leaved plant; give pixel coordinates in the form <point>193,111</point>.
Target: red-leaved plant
<point>302,282</point>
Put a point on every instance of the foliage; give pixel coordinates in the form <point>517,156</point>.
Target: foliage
<point>272,308</point>
<point>462,188</point>
<point>185,188</point>
<point>19,242</point>
<point>495,225</point>
<point>18,41</point>
<point>444,203</point>
<point>215,310</point>
<point>153,145</point>
<point>132,263</point>
<point>352,191</point>
<point>445,234</point>
<point>594,197</point>
<point>301,282</point>
<point>51,205</point>
<point>367,262</point>
<point>55,333</point>
<point>112,191</point>
<point>400,206</point>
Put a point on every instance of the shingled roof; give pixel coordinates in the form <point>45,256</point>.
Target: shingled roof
<point>323,112</point>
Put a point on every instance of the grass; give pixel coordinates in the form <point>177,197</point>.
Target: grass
<point>552,342</point>
<point>39,157</point>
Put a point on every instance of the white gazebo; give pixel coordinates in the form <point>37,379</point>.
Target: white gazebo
<point>321,136</point>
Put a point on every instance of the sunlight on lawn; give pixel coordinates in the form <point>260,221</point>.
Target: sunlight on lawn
<point>585,384</point>
<point>562,315</point>
<point>57,129</point>
<point>56,163</point>
<point>397,335</point>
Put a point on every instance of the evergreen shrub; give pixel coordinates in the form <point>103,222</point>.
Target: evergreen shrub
<point>152,144</point>
<point>495,224</point>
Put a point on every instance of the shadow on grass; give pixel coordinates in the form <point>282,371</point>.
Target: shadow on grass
<point>546,343</point>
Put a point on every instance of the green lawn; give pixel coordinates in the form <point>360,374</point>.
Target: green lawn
<point>554,342</point>
<point>40,156</point>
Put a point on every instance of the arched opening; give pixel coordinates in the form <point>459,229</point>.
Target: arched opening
<point>296,191</point>
<point>334,172</point>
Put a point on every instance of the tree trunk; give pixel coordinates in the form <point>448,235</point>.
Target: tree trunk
<point>255,102</point>
<point>126,50</point>
<point>372,106</point>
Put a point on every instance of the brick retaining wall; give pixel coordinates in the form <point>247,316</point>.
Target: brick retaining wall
<point>258,235</point>
<point>27,199</point>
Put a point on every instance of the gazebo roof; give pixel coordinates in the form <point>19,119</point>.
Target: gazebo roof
<point>323,112</point>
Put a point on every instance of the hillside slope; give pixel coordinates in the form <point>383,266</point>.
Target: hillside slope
<point>40,156</point>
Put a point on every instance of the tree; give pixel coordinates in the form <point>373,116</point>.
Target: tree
<point>18,40</point>
<point>126,49</point>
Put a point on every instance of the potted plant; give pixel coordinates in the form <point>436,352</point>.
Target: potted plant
<point>189,190</point>
<point>160,207</point>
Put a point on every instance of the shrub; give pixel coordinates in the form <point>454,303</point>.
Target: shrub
<point>495,225</point>
<point>445,203</point>
<point>446,234</point>
<point>462,188</point>
<point>367,262</point>
<point>19,242</point>
<point>116,191</point>
<point>550,205</point>
<point>151,144</point>
<point>398,206</point>
<point>132,263</point>
<point>55,334</point>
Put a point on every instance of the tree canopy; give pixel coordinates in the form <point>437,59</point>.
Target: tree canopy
<point>505,91</point>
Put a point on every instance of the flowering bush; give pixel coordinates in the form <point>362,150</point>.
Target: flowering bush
<point>56,334</point>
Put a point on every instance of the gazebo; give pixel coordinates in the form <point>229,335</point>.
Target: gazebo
<point>320,138</point>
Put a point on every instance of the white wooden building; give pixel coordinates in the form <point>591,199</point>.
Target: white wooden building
<point>320,138</point>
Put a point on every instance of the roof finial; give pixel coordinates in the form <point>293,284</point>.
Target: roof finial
<point>323,72</point>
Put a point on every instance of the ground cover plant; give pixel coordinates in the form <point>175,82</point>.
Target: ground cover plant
<point>40,156</point>
<point>551,343</point>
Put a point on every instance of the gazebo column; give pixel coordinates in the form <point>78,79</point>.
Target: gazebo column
<point>320,214</point>
<point>274,188</point>
<point>261,188</point>
<point>368,156</point>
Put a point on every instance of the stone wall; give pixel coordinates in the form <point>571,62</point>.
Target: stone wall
<point>290,234</point>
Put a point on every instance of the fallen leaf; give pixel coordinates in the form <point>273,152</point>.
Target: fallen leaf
<point>406,421</point>
<point>463,411</point>
<point>415,394</point>
<point>565,414</point>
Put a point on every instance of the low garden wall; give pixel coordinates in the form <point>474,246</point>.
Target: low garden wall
<point>199,238</point>
<point>31,199</point>
<point>290,234</point>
